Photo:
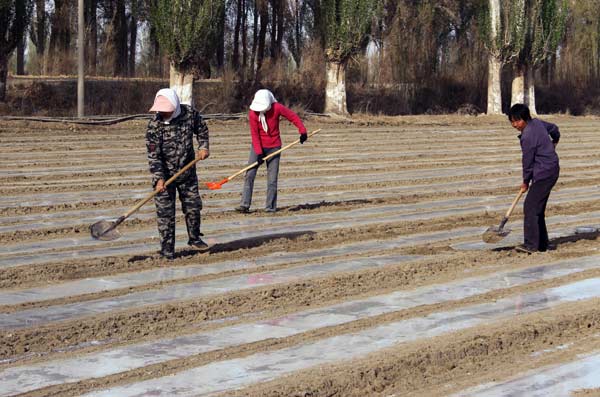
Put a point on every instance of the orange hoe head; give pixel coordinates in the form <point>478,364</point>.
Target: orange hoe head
<point>216,185</point>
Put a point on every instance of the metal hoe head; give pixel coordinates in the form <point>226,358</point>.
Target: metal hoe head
<point>586,229</point>
<point>105,231</point>
<point>495,234</point>
<point>216,185</point>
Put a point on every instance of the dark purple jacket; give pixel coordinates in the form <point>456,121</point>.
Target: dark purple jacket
<point>540,160</point>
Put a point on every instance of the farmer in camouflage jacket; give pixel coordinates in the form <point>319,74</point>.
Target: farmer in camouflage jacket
<point>170,145</point>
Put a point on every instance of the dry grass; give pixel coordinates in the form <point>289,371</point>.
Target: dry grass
<point>302,90</point>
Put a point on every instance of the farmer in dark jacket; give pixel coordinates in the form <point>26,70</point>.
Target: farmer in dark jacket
<point>540,173</point>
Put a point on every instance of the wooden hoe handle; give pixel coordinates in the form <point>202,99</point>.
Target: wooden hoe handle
<point>155,192</point>
<point>268,157</point>
<point>514,203</point>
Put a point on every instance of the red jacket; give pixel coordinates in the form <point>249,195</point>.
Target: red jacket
<point>271,139</point>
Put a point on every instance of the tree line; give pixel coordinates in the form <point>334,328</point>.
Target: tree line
<point>389,43</point>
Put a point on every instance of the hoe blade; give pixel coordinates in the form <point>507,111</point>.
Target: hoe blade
<point>495,234</point>
<point>105,231</point>
<point>216,185</point>
<point>213,185</point>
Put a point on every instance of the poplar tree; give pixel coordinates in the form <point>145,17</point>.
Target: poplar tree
<point>545,29</point>
<point>60,43</point>
<point>14,20</point>
<point>295,37</point>
<point>187,32</point>
<point>580,53</point>
<point>344,27</point>
<point>503,27</point>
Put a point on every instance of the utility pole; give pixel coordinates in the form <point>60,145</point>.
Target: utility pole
<point>80,60</point>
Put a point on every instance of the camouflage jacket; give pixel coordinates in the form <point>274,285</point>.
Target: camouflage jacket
<point>171,146</point>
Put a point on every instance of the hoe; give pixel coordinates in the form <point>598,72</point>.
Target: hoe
<point>218,185</point>
<point>495,234</point>
<point>107,230</point>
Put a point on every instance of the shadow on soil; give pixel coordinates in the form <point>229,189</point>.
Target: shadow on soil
<point>575,237</point>
<point>555,242</point>
<point>251,242</point>
<point>137,258</point>
<point>327,204</point>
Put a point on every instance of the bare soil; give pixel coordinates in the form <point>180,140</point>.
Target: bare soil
<point>481,156</point>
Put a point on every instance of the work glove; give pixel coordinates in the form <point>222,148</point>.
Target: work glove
<point>259,159</point>
<point>303,138</point>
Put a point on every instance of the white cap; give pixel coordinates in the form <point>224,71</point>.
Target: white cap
<point>263,99</point>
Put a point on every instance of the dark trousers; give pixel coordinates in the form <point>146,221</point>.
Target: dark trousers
<point>534,209</point>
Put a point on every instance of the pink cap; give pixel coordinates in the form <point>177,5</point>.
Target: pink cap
<point>162,104</point>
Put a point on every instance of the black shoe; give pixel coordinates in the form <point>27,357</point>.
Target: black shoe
<point>199,244</point>
<point>550,247</point>
<point>167,255</point>
<point>525,249</point>
<point>242,209</point>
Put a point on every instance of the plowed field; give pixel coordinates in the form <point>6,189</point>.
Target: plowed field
<point>371,279</point>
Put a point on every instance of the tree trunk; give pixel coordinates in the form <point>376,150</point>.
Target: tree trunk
<point>157,63</point>
<point>297,47</point>
<point>523,88</point>
<point>530,89</point>
<point>21,56</point>
<point>517,94</point>
<point>235,58</point>
<point>279,37</point>
<point>244,39</point>
<point>92,35</point>
<point>60,38</point>
<point>80,58</point>
<point>133,21</point>
<point>548,69</point>
<point>335,90</point>
<point>183,84</point>
<point>3,76</point>
<point>262,34</point>
<point>254,38</point>
<point>119,39</point>
<point>276,28</point>
<point>274,23</point>
<point>40,32</point>
<point>221,45</point>
<point>494,93</point>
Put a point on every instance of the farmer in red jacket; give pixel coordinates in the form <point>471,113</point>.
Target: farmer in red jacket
<point>264,128</point>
